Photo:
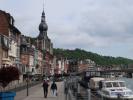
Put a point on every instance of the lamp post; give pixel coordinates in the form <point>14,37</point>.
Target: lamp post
<point>44,63</point>
<point>27,81</point>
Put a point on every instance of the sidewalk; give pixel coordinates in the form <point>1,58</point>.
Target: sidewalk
<point>37,93</point>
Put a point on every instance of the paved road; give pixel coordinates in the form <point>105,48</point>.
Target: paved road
<point>36,93</point>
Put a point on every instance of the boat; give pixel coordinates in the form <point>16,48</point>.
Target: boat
<point>94,83</point>
<point>114,90</point>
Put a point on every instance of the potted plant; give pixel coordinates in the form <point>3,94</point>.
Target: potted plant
<point>7,75</point>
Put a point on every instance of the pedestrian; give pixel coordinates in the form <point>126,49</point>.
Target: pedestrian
<point>65,87</point>
<point>54,89</point>
<point>45,88</point>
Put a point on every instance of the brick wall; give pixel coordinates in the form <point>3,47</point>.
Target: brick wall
<point>4,25</point>
<point>0,56</point>
<point>24,59</point>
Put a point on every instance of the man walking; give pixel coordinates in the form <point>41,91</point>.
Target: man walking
<point>66,87</point>
<point>45,88</point>
<point>54,89</point>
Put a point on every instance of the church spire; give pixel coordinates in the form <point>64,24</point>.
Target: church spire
<point>43,5</point>
<point>43,26</point>
<point>43,13</point>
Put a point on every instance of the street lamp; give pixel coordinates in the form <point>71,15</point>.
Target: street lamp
<point>27,81</point>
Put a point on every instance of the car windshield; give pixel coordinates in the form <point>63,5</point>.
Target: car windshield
<point>122,84</point>
<point>108,84</point>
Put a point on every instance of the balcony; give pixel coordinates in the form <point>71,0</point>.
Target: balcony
<point>6,61</point>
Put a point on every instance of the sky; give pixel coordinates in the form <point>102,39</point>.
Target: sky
<point>100,26</point>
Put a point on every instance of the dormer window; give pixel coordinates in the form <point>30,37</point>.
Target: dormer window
<point>12,21</point>
<point>5,42</point>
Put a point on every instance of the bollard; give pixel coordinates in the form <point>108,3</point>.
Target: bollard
<point>27,88</point>
<point>89,94</point>
<point>78,88</point>
<point>102,97</point>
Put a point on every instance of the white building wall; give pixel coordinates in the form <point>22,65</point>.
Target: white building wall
<point>13,49</point>
<point>13,52</point>
<point>53,65</point>
<point>59,63</point>
<point>31,63</point>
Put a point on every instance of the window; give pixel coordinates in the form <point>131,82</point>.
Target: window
<point>108,84</point>
<point>105,92</point>
<point>5,42</point>
<point>32,69</point>
<point>5,54</point>
<point>122,84</point>
<point>0,40</point>
<point>115,84</point>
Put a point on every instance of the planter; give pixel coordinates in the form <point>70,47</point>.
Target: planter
<point>7,95</point>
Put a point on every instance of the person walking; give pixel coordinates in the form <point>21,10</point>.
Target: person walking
<point>54,88</point>
<point>66,87</point>
<point>45,88</point>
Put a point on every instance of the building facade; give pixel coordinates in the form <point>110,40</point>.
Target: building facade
<point>86,65</point>
<point>10,40</point>
<point>17,49</point>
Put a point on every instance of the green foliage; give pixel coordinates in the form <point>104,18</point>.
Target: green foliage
<point>32,40</point>
<point>80,54</point>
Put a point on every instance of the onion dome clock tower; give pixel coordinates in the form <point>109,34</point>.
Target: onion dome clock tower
<point>42,37</point>
<point>44,44</point>
<point>43,27</point>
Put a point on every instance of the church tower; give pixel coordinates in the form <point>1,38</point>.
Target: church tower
<point>43,41</point>
<point>45,45</point>
<point>43,27</point>
<point>42,37</point>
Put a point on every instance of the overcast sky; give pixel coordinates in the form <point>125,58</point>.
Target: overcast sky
<point>101,26</point>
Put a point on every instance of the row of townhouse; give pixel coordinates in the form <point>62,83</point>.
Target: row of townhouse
<point>80,65</point>
<point>61,66</point>
<point>64,65</point>
<point>31,57</point>
<point>86,65</point>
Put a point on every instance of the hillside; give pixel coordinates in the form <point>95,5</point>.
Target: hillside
<point>99,59</point>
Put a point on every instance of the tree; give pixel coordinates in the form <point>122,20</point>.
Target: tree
<point>8,74</point>
<point>80,54</point>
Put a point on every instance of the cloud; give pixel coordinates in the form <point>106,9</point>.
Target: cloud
<point>108,22</point>
<point>101,23</point>
<point>98,25</point>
